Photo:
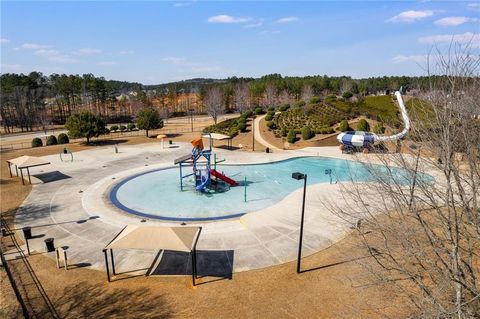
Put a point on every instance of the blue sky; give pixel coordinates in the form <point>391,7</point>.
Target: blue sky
<point>155,42</point>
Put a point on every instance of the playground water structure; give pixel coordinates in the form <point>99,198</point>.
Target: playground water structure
<point>157,194</point>
<point>367,139</point>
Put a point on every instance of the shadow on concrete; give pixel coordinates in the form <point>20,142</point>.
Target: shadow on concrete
<point>51,176</point>
<point>210,263</point>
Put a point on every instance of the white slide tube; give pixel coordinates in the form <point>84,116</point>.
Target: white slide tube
<point>406,122</point>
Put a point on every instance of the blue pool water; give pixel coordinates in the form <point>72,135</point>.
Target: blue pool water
<point>156,194</point>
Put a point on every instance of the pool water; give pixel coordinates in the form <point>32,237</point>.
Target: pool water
<point>157,194</point>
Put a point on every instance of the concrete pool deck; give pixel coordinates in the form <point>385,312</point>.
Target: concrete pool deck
<point>71,206</point>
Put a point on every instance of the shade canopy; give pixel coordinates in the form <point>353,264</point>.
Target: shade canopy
<point>28,161</point>
<point>161,136</point>
<point>155,238</point>
<point>218,136</point>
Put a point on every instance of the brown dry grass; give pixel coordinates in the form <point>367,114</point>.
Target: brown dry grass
<point>328,292</point>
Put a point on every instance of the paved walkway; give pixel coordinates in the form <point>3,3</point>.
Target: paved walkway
<point>258,135</point>
<point>71,206</point>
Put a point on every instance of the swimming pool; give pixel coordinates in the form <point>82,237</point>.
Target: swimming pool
<point>157,194</point>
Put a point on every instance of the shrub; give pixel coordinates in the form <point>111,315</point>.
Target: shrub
<point>63,139</point>
<point>325,130</point>
<point>37,142</point>
<point>114,128</point>
<point>271,109</point>
<point>291,136</point>
<point>284,131</point>
<point>271,125</point>
<point>307,133</point>
<point>284,107</point>
<point>299,104</point>
<point>363,125</point>
<point>331,98</point>
<point>343,127</point>
<point>106,131</point>
<point>242,120</point>
<point>315,100</point>
<point>52,140</point>
<point>123,128</point>
<point>269,117</point>
<point>347,94</point>
<point>378,128</point>
<point>242,126</point>
<point>247,114</point>
<point>131,126</point>
<point>258,110</point>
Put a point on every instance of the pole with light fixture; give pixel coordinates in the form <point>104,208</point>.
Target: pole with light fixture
<point>299,176</point>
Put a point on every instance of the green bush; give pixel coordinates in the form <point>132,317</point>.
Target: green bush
<point>131,126</point>
<point>242,126</point>
<point>258,110</point>
<point>269,117</point>
<point>379,128</point>
<point>325,130</point>
<point>307,133</point>
<point>347,94</point>
<point>284,107</point>
<point>271,125</point>
<point>63,139</point>
<point>123,128</point>
<point>271,109</point>
<point>52,140</point>
<point>37,142</point>
<point>331,98</point>
<point>363,126</point>
<point>291,136</point>
<point>299,104</point>
<point>343,127</point>
<point>247,114</point>
<point>106,131</point>
<point>315,100</point>
<point>242,120</point>
<point>284,131</point>
<point>114,128</point>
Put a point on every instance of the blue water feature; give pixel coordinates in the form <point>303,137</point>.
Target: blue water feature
<point>157,194</point>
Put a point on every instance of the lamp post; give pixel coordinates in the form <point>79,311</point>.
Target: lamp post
<point>299,176</point>
<point>253,134</point>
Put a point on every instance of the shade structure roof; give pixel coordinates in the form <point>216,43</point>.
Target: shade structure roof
<point>28,161</point>
<point>218,136</point>
<point>161,136</point>
<point>155,238</point>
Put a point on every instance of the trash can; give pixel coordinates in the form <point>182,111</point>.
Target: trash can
<point>267,150</point>
<point>49,244</point>
<point>27,232</point>
<point>170,142</point>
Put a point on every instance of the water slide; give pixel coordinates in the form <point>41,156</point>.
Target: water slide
<point>365,139</point>
<point>205,182</point>
<point>223,177</point>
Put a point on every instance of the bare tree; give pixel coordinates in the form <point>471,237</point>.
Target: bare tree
<point>307,93</point>
<point>214,102</point>
<point>241,96</point>
<point>270,96</point>
<point>423,235</point>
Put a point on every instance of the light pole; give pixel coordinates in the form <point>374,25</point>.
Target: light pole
<point>299,176</point>
<point>253,134</point>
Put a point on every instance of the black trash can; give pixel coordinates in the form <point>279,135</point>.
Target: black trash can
<point>27,232</point>
<point>170,142</point>
<point>49,244</point>
<point>267,150</point>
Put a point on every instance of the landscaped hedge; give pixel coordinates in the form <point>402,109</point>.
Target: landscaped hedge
<point>131,126</point>
<point>114,128</point>
<point>291,136</point>
<point>122,128</point>
<point>343,127</point>
<point>363,125</point>
<point>63,138</point>
<point>52,140</point>
<point>307,133</point>
<point>37,142</point>
<point>229,127</point>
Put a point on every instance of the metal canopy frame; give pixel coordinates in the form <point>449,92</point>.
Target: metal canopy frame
<point>21,170</point>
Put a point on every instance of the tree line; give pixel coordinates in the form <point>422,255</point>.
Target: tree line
<point>35,100</point>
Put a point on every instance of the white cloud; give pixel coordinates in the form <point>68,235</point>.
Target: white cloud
<point>254,25</point>
<point>34,46</point>
<point>175,60</point>
<point>106,63</point>
<point>287,20</point>
<point>224,18</point>
<point>454,21</point>
<point>4,40</point>
<point>411,16</point>
<point>409,58</point>
<point>10,67</point>
<point>465,38</point>
<point>47,52</point>
<point>474,5</point>
<point>182,4</point>
<point>87,51</point>
<point>63,58</point>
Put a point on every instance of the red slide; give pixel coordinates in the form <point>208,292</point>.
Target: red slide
<point>223,177</point>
